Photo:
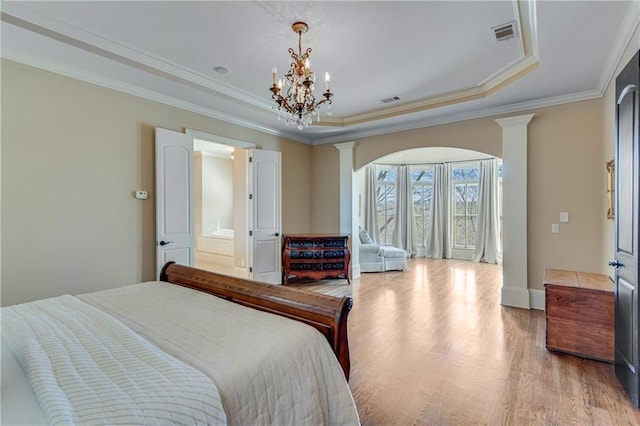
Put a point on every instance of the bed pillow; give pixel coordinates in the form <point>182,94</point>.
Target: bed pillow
<point>365,238</point>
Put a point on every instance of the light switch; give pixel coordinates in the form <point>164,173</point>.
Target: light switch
<point>141,195</point>
<point>564,216</point>
<point>555,228</point>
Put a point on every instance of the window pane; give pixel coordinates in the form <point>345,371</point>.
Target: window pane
<point>386,175</point>
<point>459,232</point>
<point>471,231</point>
<point>422,195</point>
<point>422,175</point>
<point>465,173</point>
<point>472,198</point>
<point>459,200</point>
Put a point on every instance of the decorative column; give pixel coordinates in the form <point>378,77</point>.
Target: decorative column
<point>515,291</point>
<point>348,205</point>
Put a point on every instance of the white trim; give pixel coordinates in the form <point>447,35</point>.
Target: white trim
<point>515,297</point>
<point>514,218</point>
<point>129,55</point>
<point>48,25</point>
<point>461,253</point>
<point>536,299</point>
<point>463,116</point>
<point>197,134</point>
<point>150,95</point>
<point>355,271</point>
<point>631,21</point>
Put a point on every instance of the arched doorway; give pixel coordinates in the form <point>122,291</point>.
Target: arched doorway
<point>515,291</point>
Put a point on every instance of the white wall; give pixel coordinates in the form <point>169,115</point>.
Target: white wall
<point>217,193</point>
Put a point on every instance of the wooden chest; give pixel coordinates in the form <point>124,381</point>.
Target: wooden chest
<point>580,313</point>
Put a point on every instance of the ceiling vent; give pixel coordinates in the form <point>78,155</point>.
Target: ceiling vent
<point>388,100</point>
<point>505,31</point>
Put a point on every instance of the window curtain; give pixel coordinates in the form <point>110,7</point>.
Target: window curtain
<point>371,205</point>
<point>405,219</point>
<point>439,244</point>
<point>488,248</point>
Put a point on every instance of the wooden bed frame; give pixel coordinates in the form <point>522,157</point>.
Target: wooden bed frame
<point>327,314</point>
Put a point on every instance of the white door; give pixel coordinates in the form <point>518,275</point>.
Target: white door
<point>266,216</point>
<point>174,198</point>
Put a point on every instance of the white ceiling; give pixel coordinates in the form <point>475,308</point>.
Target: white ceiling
<point>439,57</point>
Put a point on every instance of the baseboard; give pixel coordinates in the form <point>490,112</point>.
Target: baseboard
<point>536,299</point>
<point>355,271</point>
<point>515,297</point>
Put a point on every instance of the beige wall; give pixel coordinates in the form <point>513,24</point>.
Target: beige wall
<point>609,137</point>
<point>72,155</point>
<point>564,162</point>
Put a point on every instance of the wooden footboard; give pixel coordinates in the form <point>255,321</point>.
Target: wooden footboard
<point>327,314</point>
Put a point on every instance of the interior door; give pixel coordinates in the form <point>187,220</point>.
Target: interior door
<point>174,198</point>
<point>627,205</point>
<point>266,216</point>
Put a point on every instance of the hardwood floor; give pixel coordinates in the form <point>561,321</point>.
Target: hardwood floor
<point>433,346</point>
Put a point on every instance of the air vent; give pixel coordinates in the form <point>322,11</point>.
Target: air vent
<point>505,31</point>
<point>388,100</point>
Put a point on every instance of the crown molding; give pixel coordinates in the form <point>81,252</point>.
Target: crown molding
<point>150,95</point>
<point>629,25</point>
<point>21,15</point>
<point>455,118</point>
<point>16,13</point>
<point>525,16</point>
<point>48,26</point>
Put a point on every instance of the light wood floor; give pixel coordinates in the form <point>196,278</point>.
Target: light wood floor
<point>433,346</point>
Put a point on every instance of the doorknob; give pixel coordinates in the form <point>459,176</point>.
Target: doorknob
<point>164,243</point>
<point>616,264</point>
<point>276,234</point>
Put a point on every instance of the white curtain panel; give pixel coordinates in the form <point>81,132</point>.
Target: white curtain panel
<point>371,204</point>
<point>439,244</point>
<point>405,219</point>
<point>488,248</point>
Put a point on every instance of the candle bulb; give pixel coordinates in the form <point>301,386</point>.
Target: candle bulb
<point>274,75</point>
<point>306,68</point>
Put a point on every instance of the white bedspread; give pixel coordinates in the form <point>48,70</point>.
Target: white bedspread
<point>86,367</point>
<point>269,370</point>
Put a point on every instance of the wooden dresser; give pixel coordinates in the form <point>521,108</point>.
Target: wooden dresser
<point>580,313</point>
<point>315,256</point>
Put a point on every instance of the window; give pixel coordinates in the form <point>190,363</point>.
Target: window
<point>422,189</point>
<point>465,178</point>
<point>386,196</point>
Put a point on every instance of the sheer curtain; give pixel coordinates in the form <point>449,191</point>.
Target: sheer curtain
<point>405,219</point>
<point>439,244</point>
<point>371,204</point>
<point>488,248</point>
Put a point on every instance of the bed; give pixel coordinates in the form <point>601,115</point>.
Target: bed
<point>209,360</point>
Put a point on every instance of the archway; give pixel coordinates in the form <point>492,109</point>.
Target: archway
<point>514,153</point>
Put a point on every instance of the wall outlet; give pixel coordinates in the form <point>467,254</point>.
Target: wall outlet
<point>564,217</point>
<point>555,228</point>
<point>142,195</point>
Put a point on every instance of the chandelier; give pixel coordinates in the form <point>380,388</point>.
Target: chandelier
<point>293,98</point>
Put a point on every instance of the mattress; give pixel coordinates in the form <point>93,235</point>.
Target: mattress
<point>267,369</point>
